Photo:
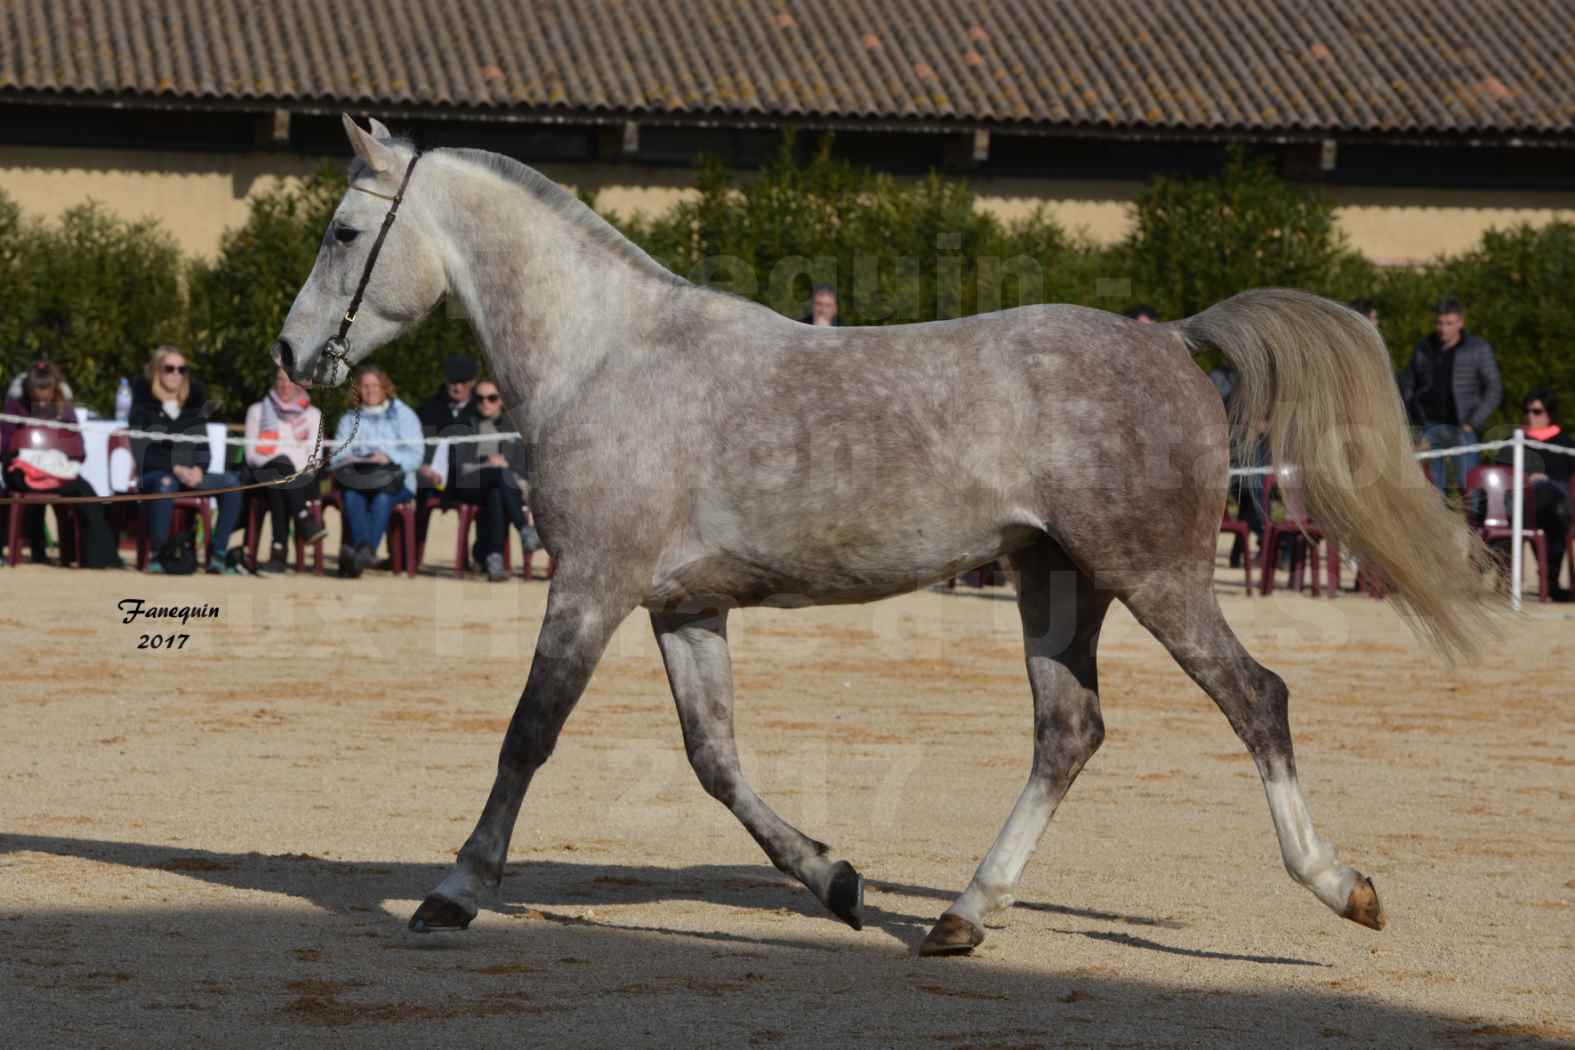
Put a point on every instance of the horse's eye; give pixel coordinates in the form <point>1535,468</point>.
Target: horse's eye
<point>344,234</point>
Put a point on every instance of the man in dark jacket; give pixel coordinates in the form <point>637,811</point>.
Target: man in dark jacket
<point>450,412</point>
<point>1451,387</point>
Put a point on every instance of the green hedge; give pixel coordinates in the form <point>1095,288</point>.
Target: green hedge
<point>91,292</point>
<point>96,293</point>
<point>917,250</point>
<point>1518,290</point>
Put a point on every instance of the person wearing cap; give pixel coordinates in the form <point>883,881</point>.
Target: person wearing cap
<point>450,412</point>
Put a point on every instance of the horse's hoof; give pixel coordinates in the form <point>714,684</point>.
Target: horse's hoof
<point>845,897</point>
<point>440,913</point>
<point>953,935</point>
<point>1362,906</point>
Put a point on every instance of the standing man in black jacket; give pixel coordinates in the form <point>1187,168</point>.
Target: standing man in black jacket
<point>1451,387</point>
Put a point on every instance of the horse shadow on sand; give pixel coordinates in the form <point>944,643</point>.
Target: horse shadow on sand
<point>247,973</point>
<point>537,886</point>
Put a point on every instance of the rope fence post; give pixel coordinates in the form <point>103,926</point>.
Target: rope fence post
<point>1517,518</point>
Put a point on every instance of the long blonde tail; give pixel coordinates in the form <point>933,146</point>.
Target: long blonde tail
<point>1317,374</point>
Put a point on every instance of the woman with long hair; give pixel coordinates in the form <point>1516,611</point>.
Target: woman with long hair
<point>376,468</point>
<point>492,475</point>
<point>169,400</point>
<point>52,472</point>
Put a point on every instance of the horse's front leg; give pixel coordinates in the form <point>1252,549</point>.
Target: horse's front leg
<point>577,626</point>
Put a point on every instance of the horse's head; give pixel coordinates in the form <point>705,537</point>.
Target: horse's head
<point>404,279</point>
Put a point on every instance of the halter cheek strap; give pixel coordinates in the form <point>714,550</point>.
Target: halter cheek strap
<point>335,349</point>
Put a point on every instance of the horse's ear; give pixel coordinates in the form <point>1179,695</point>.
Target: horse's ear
<point>379,129</point>
<point>377,155</point>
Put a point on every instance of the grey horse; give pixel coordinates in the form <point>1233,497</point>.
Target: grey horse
<point>693,452</point>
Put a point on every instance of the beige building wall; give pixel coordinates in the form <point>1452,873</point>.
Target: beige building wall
<point>197,196</point>
<point>1388,225</point>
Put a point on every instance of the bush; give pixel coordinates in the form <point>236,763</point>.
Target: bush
<point>16,278</point>
<point>92,292</point>
<point>96,293</point>
<point>1515,287</point>
<point>1197,241</point>
<point>895,251</point>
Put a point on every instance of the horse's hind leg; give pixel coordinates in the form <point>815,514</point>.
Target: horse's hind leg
<point>1061,612</point>
<point>694,650</point>
<point>1186,619</point>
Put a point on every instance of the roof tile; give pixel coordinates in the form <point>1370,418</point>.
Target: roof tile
<point>1469,66</point>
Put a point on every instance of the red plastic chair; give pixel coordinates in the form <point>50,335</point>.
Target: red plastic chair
<point>43,439</point>
<point>183,506</point>
<point>401,532</point>
<point>254,513</point>
<point>467,516</point>
<point>1296,523</point>
<point>1240,529</point>
<point>1494,481</point>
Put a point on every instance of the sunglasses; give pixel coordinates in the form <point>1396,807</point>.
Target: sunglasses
<point>1536,410</point>
<point>489,398</point>
<point>176,369</point>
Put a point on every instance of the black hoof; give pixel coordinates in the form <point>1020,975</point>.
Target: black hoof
<point>845,898</point>
<point>440,913</point>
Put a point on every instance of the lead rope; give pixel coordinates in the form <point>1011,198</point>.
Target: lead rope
<point>316,463</point>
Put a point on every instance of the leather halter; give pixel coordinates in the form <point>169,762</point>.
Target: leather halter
<point>335,349</point>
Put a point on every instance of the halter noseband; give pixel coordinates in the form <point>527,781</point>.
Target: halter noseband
<point>335,349</point>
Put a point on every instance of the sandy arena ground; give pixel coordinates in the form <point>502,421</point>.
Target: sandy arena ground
<point>220,846</point>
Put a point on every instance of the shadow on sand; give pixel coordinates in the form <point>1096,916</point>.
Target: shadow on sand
<point>253,973</point>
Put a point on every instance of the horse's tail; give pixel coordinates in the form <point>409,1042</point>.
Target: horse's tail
<point>1318,376</point>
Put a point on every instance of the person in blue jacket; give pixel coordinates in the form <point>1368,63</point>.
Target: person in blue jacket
<point>375,468</point>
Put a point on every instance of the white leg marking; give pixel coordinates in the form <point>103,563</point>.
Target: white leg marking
<point>459,886</point>
<point>1309,859</point>
<point>995,882</point>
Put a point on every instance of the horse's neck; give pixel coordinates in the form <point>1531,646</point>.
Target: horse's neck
<point>547,302</point>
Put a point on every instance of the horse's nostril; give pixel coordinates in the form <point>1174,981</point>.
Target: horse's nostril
<point>285,355</point>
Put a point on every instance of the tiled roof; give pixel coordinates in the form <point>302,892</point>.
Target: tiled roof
<point>1394,66</point>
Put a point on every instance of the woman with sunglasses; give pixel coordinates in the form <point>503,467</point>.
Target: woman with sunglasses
<point>44,395</point>
<point>1548,477</point>
<point>491,474</point>
<point>170,401</point>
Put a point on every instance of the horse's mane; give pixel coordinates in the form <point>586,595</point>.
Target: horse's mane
<point>596,229</point>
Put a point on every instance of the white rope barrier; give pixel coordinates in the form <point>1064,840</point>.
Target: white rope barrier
<point>1439,453</point>
<point>235,442</point>
<point>1520,442</point>
<point>1517,518</point>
